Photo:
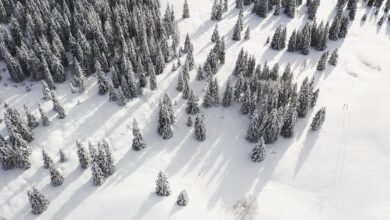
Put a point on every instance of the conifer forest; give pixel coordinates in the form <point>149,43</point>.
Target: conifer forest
<point>194,109</point>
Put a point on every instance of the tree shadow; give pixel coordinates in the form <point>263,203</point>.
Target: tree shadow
<point>310,140</point>
<point>151,201</point>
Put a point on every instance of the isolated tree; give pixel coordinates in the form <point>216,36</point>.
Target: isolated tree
<point>38,201</point>
<point>182,199</point>
<point>164,122</point>
<point>63,156</point>
<point>321,65</point>
<point>333,58</point>
<point>215,36</point>
<point>318,119</point>
<point>258,152</point>
<point>56,177</point>
<point>83,155</point>
<point>138,141</point>
<point>162,185</point>
<point>200,129</point>
<point>186,10</point>
<point>47,161</point>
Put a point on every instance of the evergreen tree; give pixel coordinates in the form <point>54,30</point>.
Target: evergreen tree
<point>192,104</point>
<point>46,91</point>
<point>38,201</point>
<point>333,58</point>
<point>225,6</point>
<point>63,156</point>
<point>247,34</point>
<point>31,120</point>
<point>182,199</point>
<point>253,133</point>
<point>272,127</point>
<point>153,81</point>
<point>261,8</point>
<point>162,185</point>
<point>304,98</point>
<point>186,10</point>
<point>189,122</point>
<point>288,128</point>
<point>102,82</point>
<point>290,8</point>
<point>199,74</point>
<point>312,9</point>
<point>57,107</point>
<point>258,152</point>
<point>343,27</point>
<point>200,130</point>
<point>215,36</point>
<point>122,100</point>
<point>79,76</point>
<point>47,74</point>
<point>239,3</point>
<point>44,118</point>
<point>292,43</point>
<point>83,155</point>
<point>97,174</point>
<point>237,32</point>
<point>335,28</point>
<point>227,98</point>
<point>318,119</point>
<point>187,45</point>
<point>164,121</point>
<point>138,141</point>
<point>321,65</point>
<point>47,161</point>
<point>56,177</point>
<point>105,152</point>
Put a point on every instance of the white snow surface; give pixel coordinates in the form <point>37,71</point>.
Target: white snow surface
<point>340,172</point>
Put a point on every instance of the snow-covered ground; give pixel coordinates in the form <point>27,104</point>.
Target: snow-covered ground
<point>340,172</point>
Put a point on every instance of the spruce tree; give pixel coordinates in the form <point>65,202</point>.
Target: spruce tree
<point>333,58</point>
<point>199,74</point>
<point>343,27</point>
<point>237,32</point>
<point>182,199</point>
<point>318,119</point>
<point>215,36</point>
<point>253,133</point>
<point>189,122</point>
<point>162,185</point>
<point>31,120</point>
<point>239,3</point>
<point>292,43</point>
<point>272,127</point>
<point>38,201</point>
<point>47,161</point>
<point>63,156</point>
<point>247,34</point>
<point>83,155</point>
<point>258,152</point>
<point>153,81</point>
<point>288,128</point>
<point>97,174</point>
<point>290,8</point>
<point>186,10</point>
<point>304,98</point>
<point>138,141</point>
<point>200,130</point>
<point>164,122</point>
<point>321,65</point>
<point>46,91</point>
<point>56,177</point>
<point>102,82</point>
<point>227,98</point>
<point>192,104</point>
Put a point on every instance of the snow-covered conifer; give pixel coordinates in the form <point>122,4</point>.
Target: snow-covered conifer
<point>318,119</point>
<point>56,177</point>
<point>38,201</point>
<point>83,155</point>
<point>258,152</point>
<point>182,199</point>
<point>162,185</point>
<point>200,129</point>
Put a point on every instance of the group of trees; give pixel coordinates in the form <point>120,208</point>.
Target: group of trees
<point>263,7</point>
<point>130,39</point>
<point>219,7</point>
<point>99,158</point>
<point>163,189</point>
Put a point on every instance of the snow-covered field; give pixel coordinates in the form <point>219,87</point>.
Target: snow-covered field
<point>340,172</point>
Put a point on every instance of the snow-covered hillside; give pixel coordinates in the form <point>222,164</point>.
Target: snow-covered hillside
<point>339,172</point>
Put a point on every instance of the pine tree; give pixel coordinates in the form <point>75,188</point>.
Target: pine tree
<point>335,28</point>
<point>192,104</point>
<point>97,174</point>
<point>31,120</point>
<point>321,65</point>
<point>38,201</point>
<point>247,34</point>
<point>182,199</point>
<point>189,122</point>
<point>261,8</point>
<point>138,141</point>
<point>227,98</point>
<point>258,152</point>
<point>47,74</point>
<point>122,100</point>
<point>333,58</point>
<point>83,155</point>
<point>272,127</point>
<point>215,36</point>
<point>44,118</point>
<point>352,6</point>
<point>162,185</point>
<point>46,91</point>
<point>318,119</point>
<point>56,177</point>
<point>105,152</point>
<point>288,128</point>
<point>186,10</point>
<point>225,6</point>
<point>47,161</point>
<point>63,156</point>
<point>187,45</point>
<point>200,130</point>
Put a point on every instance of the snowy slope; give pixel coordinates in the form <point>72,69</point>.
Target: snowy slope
<point>341,172</point>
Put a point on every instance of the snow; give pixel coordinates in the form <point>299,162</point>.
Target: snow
<point>340,172</point>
